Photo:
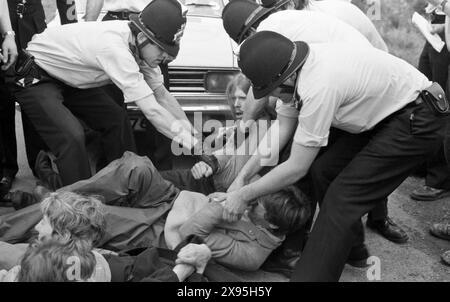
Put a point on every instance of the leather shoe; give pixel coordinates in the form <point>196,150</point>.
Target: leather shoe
<point>389,230</point>
<point>427,193</point>
<point>358,256</point>
<point>282,262</point>
<point>441,230</point>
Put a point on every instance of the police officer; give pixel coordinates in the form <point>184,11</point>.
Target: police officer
<point>73,61</point>
<point>159,146</point>
<point>27,18</point>
<point>385,102</point>
<point>240,18</point>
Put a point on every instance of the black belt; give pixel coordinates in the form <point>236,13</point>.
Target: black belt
<point>120,15</point>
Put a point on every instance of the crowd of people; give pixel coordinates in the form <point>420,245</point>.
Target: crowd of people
<point>325,119</point>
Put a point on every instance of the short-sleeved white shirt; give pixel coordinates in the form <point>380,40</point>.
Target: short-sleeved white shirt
<point>310,27</point>
<point>94,54</point>
<point>125,5</point>
<point>350,14</point>
<point>313,27</point>
<point>352,89</point>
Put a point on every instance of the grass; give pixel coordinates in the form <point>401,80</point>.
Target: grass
<point>395,26</point>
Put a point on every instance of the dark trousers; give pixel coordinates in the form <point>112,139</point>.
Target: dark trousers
<point>8,145</point>
<point>394,148</point>
<point>53,108</point>
<point>435,66</point>
<point>32,22</point>
<point>322,172</point>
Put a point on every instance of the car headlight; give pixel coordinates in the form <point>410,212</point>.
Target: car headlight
<point>217,82</point>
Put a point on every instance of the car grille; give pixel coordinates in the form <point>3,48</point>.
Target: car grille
<point>187,80</point>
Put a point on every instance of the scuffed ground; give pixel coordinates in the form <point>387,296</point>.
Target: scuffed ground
<point>418,260</point>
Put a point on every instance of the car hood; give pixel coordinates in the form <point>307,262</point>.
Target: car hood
<point>205,44</point>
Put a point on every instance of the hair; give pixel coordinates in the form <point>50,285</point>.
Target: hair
<point>239,81</point>
<point>288,209</point>
<point>57,260</point>
<point>74,216</point>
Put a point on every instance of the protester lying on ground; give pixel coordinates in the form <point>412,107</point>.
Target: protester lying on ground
<point>71,226</point>
<point>138,201</point>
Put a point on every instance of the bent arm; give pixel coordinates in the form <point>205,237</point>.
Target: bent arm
<point>269,148</point>
<point>289,172</point>
<point>169,102</point>
<point>166,123</point>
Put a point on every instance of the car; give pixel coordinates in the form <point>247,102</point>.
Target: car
<point>206,63</point>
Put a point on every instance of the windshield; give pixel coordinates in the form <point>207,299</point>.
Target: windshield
<point>206,8</point>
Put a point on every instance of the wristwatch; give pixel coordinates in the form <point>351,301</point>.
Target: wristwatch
<point>8,33</point>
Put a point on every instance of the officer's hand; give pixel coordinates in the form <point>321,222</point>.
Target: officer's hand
<point>437,28</point>
<point>196,255</point>
<point>9,53</point>
<point>200,170</point>
<point>233,207</point>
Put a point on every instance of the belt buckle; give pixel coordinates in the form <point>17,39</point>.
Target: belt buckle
<point>124,15</point>
<point>20,9</point>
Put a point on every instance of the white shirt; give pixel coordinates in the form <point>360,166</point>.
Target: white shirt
<point>310,27</point>
<point>313,27</point>
<point>352,15</point>
<point>352,90</point>
<point>125,5</point>
<point>94,54</point>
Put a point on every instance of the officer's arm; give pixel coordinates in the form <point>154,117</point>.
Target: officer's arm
<point>93,9</point>
<point>169,102</point>
<point>289,172</point>
<point>268,150</point>
<point>166,123</point>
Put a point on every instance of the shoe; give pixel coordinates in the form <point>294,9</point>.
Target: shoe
<point>446,258</point>
<point>44,170</point>
<point>282,263</point>
<point>441,230</point>
<point>427,193</point>
<point>20,200</point>
<point>6,184</point>
<point>389,230</point>
<point>358,256</point>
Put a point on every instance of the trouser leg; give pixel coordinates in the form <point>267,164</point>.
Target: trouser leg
<point>131,181</point>
<point>101,113</point>
<point>59,128</point>
<point>435,66</point>
<point>398,144</point>
<point>8,144</point>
